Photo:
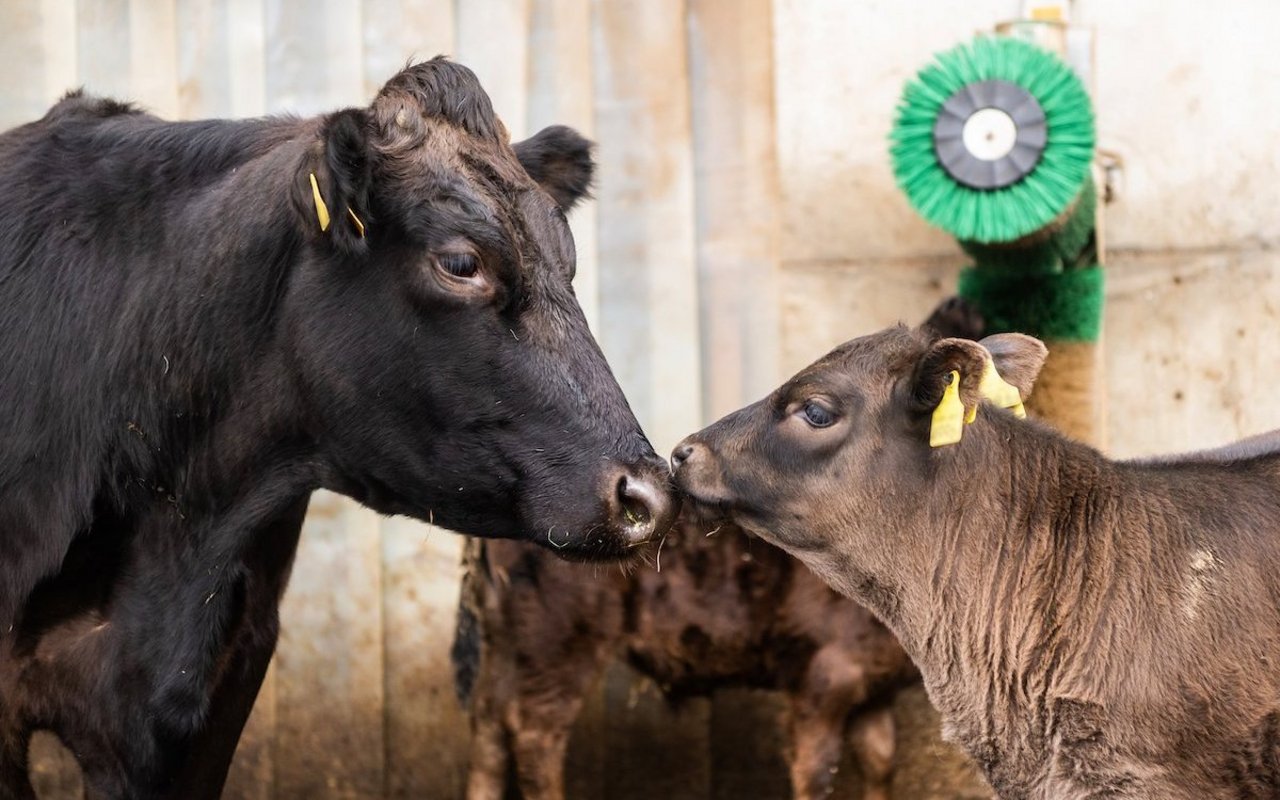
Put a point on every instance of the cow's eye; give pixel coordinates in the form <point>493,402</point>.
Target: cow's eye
<point>459,265</point>
<point>816,415</point>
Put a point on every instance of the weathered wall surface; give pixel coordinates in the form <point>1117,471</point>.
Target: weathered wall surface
<point>746,221</point>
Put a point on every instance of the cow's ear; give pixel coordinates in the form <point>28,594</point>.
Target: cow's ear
<point>933,373</point>
<point>559,159</point>
<point>334,185</point>
<point>1018,358</point>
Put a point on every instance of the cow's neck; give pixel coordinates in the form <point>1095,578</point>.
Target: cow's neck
<point>222,388</point>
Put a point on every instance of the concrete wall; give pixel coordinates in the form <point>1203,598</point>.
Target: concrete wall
<point>746,222</point>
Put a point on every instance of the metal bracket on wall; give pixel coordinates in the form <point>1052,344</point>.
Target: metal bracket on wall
<point>1112,165</point>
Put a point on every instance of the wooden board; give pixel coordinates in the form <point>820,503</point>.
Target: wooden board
<point>648,266</point>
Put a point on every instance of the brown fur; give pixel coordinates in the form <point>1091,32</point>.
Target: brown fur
<point>1088,628</point>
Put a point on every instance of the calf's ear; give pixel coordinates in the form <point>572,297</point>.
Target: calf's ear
<point>1018,358</point>
<point>559,159</point>
<point>332,188</point>
<point>933,372</point>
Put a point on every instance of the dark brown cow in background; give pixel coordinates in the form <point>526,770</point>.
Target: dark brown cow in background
<point>1088,628</point>
<point>724,611</point>
<point>535,634</point>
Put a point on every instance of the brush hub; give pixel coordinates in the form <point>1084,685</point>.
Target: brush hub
<point>990,134</point>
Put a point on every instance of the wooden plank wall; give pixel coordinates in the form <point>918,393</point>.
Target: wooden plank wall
<point>745,221</point>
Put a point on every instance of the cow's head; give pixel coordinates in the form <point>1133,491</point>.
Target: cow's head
<point>446,365</point>
<point>837,461</point>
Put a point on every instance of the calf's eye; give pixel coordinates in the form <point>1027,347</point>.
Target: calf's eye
<point>816,415</point>
<point>459,265</point>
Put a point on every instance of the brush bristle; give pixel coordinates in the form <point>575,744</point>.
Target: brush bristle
<point>1015,211</point>
<point>1063,306</point>
<point>1065,244</point>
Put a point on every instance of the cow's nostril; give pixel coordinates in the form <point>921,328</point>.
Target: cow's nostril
<point>641,501</point>
<point>636,501</point>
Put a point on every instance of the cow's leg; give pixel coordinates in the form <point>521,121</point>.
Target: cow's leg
<point>819,710</point>
<point>872,735</point>
<point>204,767</point>
<point>208,758</point>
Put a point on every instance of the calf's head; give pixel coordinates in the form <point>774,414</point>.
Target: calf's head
<point>839,456</point>
<point>446,367</point>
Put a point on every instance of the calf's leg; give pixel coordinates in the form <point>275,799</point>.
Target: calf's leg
<point>819,711</point>
<point>872,735</point>
<point>548,628</point>
<point>540,726</point>
<point>530,729</point>
<point>540,752</point>
<point>490,743</point>
<point>817,736</point>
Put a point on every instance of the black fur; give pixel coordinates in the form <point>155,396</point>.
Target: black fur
<point>559,158</point>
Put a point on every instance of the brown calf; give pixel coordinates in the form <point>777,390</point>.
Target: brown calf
<point>1088,628</point>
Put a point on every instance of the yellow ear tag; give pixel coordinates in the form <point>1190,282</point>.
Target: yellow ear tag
<point>948,418</point>
<point>1000,391</point>
<point>322,211</point>
<point>356,221</point>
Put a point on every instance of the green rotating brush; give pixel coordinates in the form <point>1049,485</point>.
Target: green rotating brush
<point>994,140</point>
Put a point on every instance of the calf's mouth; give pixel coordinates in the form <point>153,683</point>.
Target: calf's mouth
<point>698,477</point>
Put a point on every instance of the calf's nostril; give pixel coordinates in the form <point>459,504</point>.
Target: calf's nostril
<point>680,455</point>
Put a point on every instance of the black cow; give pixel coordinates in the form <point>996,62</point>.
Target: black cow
<point>203,322</point>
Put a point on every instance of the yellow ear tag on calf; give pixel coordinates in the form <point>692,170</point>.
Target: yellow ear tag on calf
<point>948,418</point>
<point>322,211</point>
<point>1000,391</point>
